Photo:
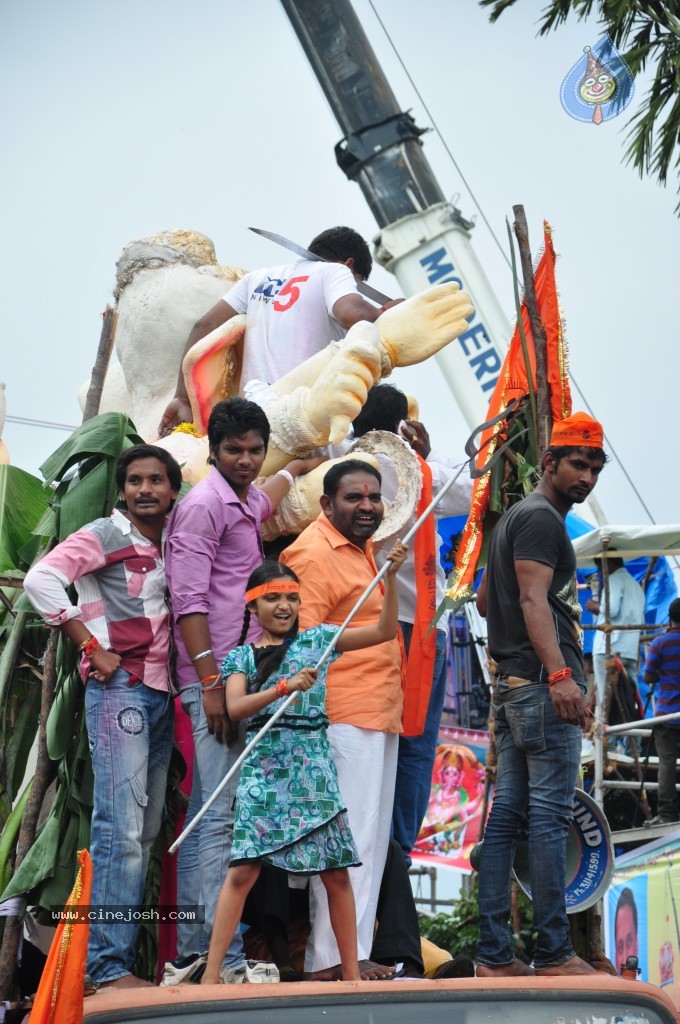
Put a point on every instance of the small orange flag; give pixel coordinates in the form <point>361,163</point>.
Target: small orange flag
<point>59,999</point>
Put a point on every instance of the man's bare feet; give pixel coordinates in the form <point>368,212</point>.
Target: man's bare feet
<point>127,981</point>
<point>515,969</point>
<point>573,966</point>
<point>368,972</point>
<point>375,972</point>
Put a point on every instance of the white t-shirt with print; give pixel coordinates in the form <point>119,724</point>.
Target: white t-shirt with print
<point>289,315</point>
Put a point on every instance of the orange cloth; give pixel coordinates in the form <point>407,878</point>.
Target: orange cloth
<point>422,651</point>
<point>363,687</point>
<point>59,999</point>
<point>513,383</point>
<point>579,429</point>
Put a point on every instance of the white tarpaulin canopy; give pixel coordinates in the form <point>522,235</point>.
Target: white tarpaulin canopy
<point>629,542</point>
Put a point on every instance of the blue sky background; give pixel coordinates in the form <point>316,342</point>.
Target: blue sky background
<point>121,120</point>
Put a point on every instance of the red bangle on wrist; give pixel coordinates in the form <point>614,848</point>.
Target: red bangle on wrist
<point>281,688</point>
<point>89,646</point>
<point>557,677</point>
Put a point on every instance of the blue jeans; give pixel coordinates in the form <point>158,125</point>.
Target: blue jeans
<point>204,859</point>
<point>538,764</point>
<point>130,731</point>
<point>416,756</point>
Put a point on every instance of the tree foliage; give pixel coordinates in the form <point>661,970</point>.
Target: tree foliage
<point>645,32</point>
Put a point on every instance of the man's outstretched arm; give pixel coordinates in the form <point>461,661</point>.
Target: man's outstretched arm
<point>179,408</point>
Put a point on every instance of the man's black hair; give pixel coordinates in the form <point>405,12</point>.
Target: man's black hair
<point>234,417</point>
<point>559,451</point>
<point>334,476</point>
<point>626,899</point>
<point>148,451</point>
<point>337,245</point>
<point>674,611</point>
<point>385,407</point>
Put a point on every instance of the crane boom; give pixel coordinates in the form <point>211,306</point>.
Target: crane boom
<point>424,239</point>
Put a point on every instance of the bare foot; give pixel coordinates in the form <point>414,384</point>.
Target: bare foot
<point>573,966</point>
<point>327,974</point>
<point>601,963</point>
<point>375,972</point>
<point>127,981</point>
<point>368,972</point>
<point>515,969</point>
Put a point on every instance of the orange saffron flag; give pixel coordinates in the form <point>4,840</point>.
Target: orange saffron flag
<point>59,999</point>
<point>512,383</point>
<point>423,647</point>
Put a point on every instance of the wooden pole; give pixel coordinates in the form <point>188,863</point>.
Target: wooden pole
<point>544,425</point>
<point>101,364</point>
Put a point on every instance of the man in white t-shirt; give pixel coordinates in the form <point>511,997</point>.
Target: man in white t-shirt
<point>293,312</point>
<point>626,608</point>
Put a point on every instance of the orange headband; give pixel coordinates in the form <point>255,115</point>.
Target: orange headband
<point>273,587</point>
<point>579,430</point>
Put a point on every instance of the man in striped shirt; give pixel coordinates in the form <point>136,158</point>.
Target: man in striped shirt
<point>121,626</point>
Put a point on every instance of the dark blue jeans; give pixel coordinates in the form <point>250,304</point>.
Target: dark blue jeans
<point>130,731</point>
<point>538,764</point>
<point>416,756</point>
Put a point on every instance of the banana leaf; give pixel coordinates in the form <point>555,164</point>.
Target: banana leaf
<point>94,449</point>
<point>105,436</point>
<point>23,500</point>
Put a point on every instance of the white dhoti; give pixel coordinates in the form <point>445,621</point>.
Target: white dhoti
<point>366,761</point>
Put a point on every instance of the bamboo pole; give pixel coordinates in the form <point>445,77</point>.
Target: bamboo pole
<point>101,363</point>
<point>544,413</point>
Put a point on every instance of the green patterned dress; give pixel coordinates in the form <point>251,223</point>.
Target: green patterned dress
<point>289,809</point>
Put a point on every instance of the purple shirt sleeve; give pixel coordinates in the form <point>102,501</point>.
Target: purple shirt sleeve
<point>190,553</point>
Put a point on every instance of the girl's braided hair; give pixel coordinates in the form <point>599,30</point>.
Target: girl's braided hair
<point>267,659</point>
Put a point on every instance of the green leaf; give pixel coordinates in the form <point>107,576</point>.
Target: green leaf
<point>23,499</point>
<point>106,435</point>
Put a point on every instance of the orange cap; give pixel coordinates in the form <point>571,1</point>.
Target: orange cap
<point>580,430</point>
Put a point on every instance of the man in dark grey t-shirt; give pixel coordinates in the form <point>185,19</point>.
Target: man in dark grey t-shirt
<point>529,595</point>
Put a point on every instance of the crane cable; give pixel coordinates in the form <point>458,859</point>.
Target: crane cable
<point>415,88</point>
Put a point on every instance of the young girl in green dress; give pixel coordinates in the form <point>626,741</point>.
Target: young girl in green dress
<point>289,809</point>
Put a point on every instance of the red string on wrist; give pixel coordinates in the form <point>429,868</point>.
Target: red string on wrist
<point>89,646</point>
<point>557,677</point>
<point>281,688</point>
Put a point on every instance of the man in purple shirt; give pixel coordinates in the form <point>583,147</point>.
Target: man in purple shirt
<point>213,545</point>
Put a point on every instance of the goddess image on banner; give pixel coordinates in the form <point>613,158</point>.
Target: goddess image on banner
<point>453,823</point>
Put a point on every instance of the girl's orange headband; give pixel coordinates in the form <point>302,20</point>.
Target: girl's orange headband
<point>273,587</point>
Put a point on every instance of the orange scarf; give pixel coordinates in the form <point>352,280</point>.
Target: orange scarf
<point>422,651</point>
<point>59,999</point>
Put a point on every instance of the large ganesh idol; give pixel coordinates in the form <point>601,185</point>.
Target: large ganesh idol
<point>167,282</point>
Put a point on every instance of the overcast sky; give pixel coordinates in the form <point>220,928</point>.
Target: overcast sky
<point>120,120</point>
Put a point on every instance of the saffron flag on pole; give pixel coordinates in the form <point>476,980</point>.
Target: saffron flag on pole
<point>59,999</point>
<point>513,382</point>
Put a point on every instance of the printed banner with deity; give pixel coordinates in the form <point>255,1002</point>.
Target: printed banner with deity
<point>452,825</point>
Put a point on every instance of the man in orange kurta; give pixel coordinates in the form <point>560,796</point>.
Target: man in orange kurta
<point>334,561</point>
